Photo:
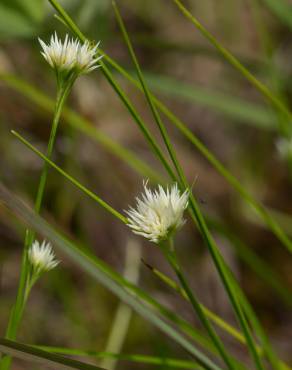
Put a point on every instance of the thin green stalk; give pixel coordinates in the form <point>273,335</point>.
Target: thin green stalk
<point>260,209</point>
<point>60,101</point>
<point>198,218</point>
<point>99,271</point>
<point>266,350</point>
<point>169,253</point>
<point>232,293</point>
<point>179,170</point>
<point>236,64</point>
<point>18,308</point>
<point>138,120</point>
<point>259,331</point>
<point>67,19</point>
<point>141,167</point>
<point>84,126</point>
<point>147,94</point>
<point>231,330</point>
<point>183,325</point>
<point>146,359</point>
<point>72,180</point>
<point>40,357</point>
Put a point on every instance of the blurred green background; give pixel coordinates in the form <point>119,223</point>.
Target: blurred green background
<point>218,105</point>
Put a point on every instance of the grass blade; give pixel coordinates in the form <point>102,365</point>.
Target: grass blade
<point>204,320</point>
<point>86,261</point>
<point>266,216</point>
<point>169,315</point>
<point>199,220</point>
<point>82,125</point>
<point>144,359</point>
<point>32,354</point>
<point>81,187</point>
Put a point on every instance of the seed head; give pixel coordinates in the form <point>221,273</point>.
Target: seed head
<point>158,213</point>
<point>70,55</point>
<point>42,257</point>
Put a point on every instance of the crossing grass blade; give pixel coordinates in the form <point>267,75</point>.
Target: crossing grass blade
<point>266,350</point>
<point>185,327</point>
<point>41,357</point>
<point>90,265</point>
<point>82,125</point>
<point>230,288</point>
<point>265,215</point>
<point>139,166</point>
<point>136,358</point>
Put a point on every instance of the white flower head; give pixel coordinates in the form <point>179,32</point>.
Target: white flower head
<point>42,257</point>
<point>70,55</point>
<point>158,213</point>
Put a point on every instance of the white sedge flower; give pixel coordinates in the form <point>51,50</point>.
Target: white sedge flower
<point>70,55</point>
<point>42,257</point>
<point>158,213</point>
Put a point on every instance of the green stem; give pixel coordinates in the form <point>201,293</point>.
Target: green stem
<point>196,213</point>
<point>169,252</point>
<point>272,224</point>
<point>138,120</point>
<point>72,180</point>
<point>147,94</point>
<point>62,94</point>
<point>21,297</point>
<point>223,272</point>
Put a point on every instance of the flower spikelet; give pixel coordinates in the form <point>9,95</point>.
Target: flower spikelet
<point>70,55</point>
<point>158,213</point>
<point>42,257</point>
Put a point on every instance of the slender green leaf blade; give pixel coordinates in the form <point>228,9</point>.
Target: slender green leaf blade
<point>32,354</point>
<point>88,263</point>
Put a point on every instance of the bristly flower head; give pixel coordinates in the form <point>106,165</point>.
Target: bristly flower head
<point>70,55</point>
<point>158,213</point>
<point>41,257</point>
